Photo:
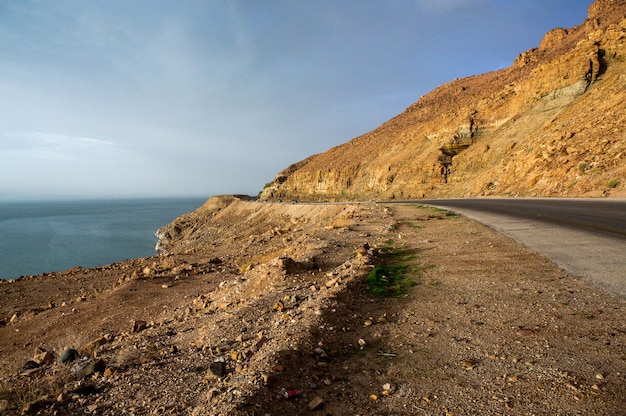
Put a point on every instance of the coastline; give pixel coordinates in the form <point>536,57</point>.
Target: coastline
<point>47,236</point>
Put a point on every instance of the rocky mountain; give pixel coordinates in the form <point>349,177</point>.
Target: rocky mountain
<point>551,124</point>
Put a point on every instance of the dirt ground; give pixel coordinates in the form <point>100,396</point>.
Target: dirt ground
<point>264,309</point>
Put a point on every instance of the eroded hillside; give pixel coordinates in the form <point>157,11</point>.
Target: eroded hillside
<point>552,124</point>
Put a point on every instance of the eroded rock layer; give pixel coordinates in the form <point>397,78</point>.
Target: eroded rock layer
<point>552,124</point>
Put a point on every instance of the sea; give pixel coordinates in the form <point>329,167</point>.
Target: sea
<point>46,236</point>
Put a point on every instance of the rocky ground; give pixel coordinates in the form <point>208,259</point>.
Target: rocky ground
<point>265,309</point>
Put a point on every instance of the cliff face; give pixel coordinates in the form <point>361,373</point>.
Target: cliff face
<point>552,124</point>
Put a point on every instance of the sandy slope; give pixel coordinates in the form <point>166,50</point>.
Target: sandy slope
<point>276,293</point>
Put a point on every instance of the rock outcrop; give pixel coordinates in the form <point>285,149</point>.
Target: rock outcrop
<point>552,124</point>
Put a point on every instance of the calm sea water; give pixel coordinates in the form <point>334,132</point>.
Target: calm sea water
<point>37,237</point>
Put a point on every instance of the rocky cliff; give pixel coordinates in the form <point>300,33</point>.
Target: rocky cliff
<point>552,124</point>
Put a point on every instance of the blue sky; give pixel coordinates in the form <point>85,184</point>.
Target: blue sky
<point>122,98</point>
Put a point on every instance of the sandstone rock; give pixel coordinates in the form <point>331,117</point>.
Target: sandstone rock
<point>363,250</point>
<point>332,282</point>
<point>316,403</point>
<point>43,357</point>
<point>93,344</point>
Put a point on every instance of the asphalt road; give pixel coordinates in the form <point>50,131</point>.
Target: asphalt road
<point>586,237</point>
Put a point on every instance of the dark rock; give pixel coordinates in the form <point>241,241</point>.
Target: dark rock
<point>29,365</point>
<point>67,356</point>
<point>90,368</point>
<point>139,326</point>
<point>218,368</point>
<point>29,368</point>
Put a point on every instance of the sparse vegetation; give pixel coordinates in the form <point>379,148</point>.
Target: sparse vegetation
<point>388,280</point>
<point>396,274</point>
<point>612,183</point>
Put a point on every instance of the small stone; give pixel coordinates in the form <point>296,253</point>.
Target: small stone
<point>525,332</point>
<point>239,338</point>
<point>90,368</point>
<point>68,355</point>
<point>374,397</point>
<point>387,387</point>
<point>279,306</point>
<point>30,367</point>
<point>362,343</point>
<point>173,349</point>
<point>61,397</point>
<point>139,325</point>
<point>43,357</point>
<point>211,394</point>
<point>316,403</point>
<point>259,343</point>
<point>218,368</point>
<point>468,364</point>
<point>92,408</point>
<point>108,372</point>
<point>92,345</point>
<point>14,318</point>
<point>332,282</point>
<point>367,323</point>
<point>599,376</point>
<point>595,387</point>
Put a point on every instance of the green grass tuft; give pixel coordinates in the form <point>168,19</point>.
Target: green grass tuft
<point>388,281</point>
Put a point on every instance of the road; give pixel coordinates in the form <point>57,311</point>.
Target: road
<point>586,237</point>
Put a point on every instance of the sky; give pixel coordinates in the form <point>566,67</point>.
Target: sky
<point>145,98</point>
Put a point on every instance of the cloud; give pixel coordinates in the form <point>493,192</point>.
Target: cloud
<point>53,147</point>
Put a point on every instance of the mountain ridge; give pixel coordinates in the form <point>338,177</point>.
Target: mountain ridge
<point>551,124</point>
